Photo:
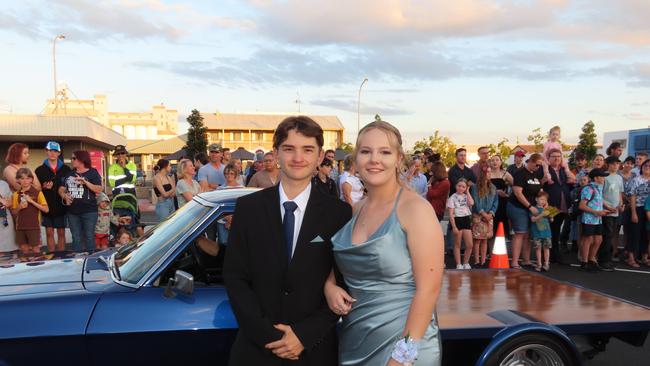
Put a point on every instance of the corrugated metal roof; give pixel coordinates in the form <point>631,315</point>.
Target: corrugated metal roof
<point>167,146</point>
<point>237,121</point>
<point>73,127</point>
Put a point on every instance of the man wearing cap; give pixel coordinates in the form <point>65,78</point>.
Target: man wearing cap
<point>122,173</point>
<point>51,174</point>
<point>211,176</point>
<point>519,162</point>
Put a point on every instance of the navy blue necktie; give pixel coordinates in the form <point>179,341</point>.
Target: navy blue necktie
<point>288,223</point>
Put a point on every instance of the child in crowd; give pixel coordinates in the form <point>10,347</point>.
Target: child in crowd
<point>553,142</point>
<point>123,238</point>
<point>27,205</point>
<point>540,232</point>
<point>460,218</point>
<point>105,217</point>
<point>613,192</point>
<point>591,205</point>
<point>581,168</point>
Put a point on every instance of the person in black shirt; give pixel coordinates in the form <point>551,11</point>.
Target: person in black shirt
<point>528,182</point>
<point>322,180</point>
<point>460,170</point>
<point>518,163</point>
<point>50,174</point>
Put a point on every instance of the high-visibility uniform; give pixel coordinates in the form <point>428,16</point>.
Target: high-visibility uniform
<point>122,179</point>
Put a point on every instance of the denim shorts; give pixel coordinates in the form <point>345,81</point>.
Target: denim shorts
<point>519,218</point>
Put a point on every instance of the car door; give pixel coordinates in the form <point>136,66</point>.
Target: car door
<point>145,327</point>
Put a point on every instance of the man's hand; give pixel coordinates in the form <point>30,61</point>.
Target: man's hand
<point>288,346</point>
<point>48,185</point>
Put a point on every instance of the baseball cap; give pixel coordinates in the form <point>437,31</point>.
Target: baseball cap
<point>598,173</point>
<point>520,154</point>
<point>612,160</point>
<point>120,149</point>
<point>53,145</point>
<point>214,147</point>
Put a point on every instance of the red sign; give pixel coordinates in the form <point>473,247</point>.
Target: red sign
<point>97,161</point>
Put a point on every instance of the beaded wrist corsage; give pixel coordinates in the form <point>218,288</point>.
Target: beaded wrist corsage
<point>406,351</point>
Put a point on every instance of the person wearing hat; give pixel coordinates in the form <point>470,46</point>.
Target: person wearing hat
<point>211,176</point>
<point>593,210</point>
<point>613,191</point>
<point>122,173</point>
<point>51,174</point>
<point>519,162</point>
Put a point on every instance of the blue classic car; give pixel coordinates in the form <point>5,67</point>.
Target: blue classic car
<point>158,301</point>
<point>161,301</point>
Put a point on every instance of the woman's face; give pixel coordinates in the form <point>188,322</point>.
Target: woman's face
<point>495,163</point>
<point>325,169</point>
<point>189,170</point>
<point>377,160</point>
<point>75,162</point>
<point>598,162</point>
<point>532,165</point>
<point>24,157</point>
<point>645,169</point>
<point>238,165</point>
<point>231,176</point>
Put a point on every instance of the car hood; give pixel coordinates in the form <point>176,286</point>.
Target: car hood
<point>38,277</point>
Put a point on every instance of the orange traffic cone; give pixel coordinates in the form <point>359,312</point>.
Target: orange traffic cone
<point>499,257</point>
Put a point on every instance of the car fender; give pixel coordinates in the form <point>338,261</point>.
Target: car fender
<point>518,324</point>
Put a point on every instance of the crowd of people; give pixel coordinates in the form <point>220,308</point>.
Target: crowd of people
<point>542,202</point>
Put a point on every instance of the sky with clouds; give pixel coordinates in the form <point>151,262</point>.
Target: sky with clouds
<point>477,70</point>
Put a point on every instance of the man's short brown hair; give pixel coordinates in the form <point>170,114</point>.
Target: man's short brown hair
<point>303,125</point>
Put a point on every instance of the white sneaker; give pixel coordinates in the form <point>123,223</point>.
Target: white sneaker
<point>459,266</point>
<point>467,266</point>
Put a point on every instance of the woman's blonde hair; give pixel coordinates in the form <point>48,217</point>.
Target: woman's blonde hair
<point>394,138</point>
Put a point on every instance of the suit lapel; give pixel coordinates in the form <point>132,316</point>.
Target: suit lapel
<point>310,222</point>
<point>273,214</point>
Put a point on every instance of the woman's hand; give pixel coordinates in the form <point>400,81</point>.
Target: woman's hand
<point>338,300</point>
<point>634,218</point>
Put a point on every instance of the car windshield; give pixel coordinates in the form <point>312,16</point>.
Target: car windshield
<point>134,260</point>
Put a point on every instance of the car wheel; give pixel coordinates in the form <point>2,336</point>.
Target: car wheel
<point>531,349</point>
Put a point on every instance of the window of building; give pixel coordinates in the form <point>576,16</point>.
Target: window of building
<point>236,136</point>
<point>257,136</point>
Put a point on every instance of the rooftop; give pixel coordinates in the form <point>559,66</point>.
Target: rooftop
<point>237,121</point>
<point>17,127</point>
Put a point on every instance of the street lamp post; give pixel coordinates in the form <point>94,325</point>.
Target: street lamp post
<point>60,36</point>
<point>365,80</point>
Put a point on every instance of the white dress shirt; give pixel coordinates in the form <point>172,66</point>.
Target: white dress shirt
<point>301,200</point>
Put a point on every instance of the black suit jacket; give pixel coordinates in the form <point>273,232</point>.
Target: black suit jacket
<point>265,288</point>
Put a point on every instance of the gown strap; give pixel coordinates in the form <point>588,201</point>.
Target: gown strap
<point>397,199</point>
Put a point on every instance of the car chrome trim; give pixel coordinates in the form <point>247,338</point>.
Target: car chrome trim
<point>149,276</point>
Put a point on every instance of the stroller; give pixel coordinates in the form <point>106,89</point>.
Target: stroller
<point>125,204</point>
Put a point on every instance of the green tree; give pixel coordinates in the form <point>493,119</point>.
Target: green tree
<point>537,139</point>
<point>197,134</point>
<point>441,145</point>
<point>501,148</point>
<point>346,146</point>
<point>588,140</point>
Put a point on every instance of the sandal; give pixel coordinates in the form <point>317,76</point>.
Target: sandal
<point>516,267</point>
<point>632,263</point>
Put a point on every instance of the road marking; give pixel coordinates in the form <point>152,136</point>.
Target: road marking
<point>621,269</point>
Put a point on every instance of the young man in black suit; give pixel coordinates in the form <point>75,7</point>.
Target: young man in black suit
<point>279,256</point>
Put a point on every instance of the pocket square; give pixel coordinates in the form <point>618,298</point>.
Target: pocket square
<point>317,239</point>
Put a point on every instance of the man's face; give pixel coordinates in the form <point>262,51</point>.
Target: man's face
<point>226,155</point>
<point>299,156</point>
<point>518,159</point>
<point>258,165</point>
<point>581,163</point>
<point>215,156</point>
<point>461,157</point>
<point>640,159</point>
<point>599,180</point>
<point>483,154</point>
<point>330,156</point>
<point>53,154</point>
<point>121,157</point>
<point>269,163</point>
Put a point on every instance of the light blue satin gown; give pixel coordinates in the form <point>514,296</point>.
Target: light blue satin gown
<point>379,275</point>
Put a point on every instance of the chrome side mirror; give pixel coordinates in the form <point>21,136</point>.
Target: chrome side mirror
<point>182,282</point>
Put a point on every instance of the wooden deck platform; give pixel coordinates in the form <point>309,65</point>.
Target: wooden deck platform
<point>467,297</point>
